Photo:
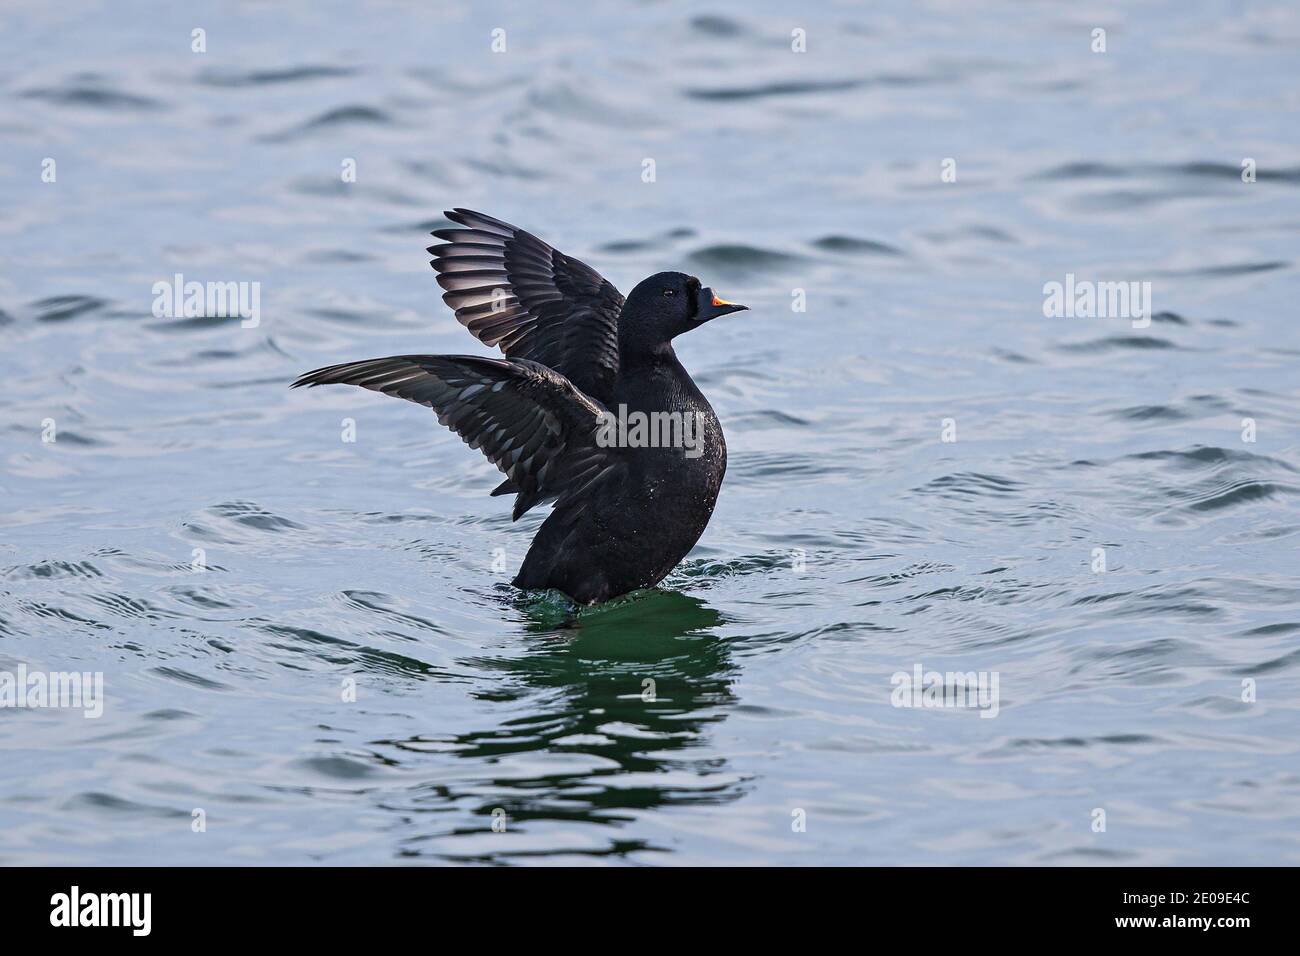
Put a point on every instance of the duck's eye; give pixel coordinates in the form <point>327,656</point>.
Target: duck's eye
<point>670,292</point>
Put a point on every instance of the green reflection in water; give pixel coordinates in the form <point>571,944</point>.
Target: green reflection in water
<point>586,676</point>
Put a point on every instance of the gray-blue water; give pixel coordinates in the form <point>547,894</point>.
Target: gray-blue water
<point>851,541</point>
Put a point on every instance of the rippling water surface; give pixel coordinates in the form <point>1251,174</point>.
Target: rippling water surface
<point>378,561</point>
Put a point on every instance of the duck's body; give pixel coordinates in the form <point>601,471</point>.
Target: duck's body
<point>628,507</point>
<point>636,530</point>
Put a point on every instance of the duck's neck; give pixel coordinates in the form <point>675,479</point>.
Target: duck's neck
<point>637,355</point>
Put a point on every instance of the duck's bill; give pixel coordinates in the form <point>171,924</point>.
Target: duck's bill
<point>712,305</point>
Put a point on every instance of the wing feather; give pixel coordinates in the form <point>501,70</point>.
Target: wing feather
<point>529,420</point>
<point>513,291</point>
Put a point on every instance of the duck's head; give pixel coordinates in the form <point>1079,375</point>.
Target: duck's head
<point>668,304</point>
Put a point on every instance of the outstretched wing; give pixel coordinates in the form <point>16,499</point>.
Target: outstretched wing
<point>514,291</point>
<point>527,419</point>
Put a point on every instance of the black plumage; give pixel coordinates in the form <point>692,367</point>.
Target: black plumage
<point>576,354</point>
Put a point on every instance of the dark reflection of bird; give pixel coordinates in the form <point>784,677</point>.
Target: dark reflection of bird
<point>634,685</point>
<point>628,505</point>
